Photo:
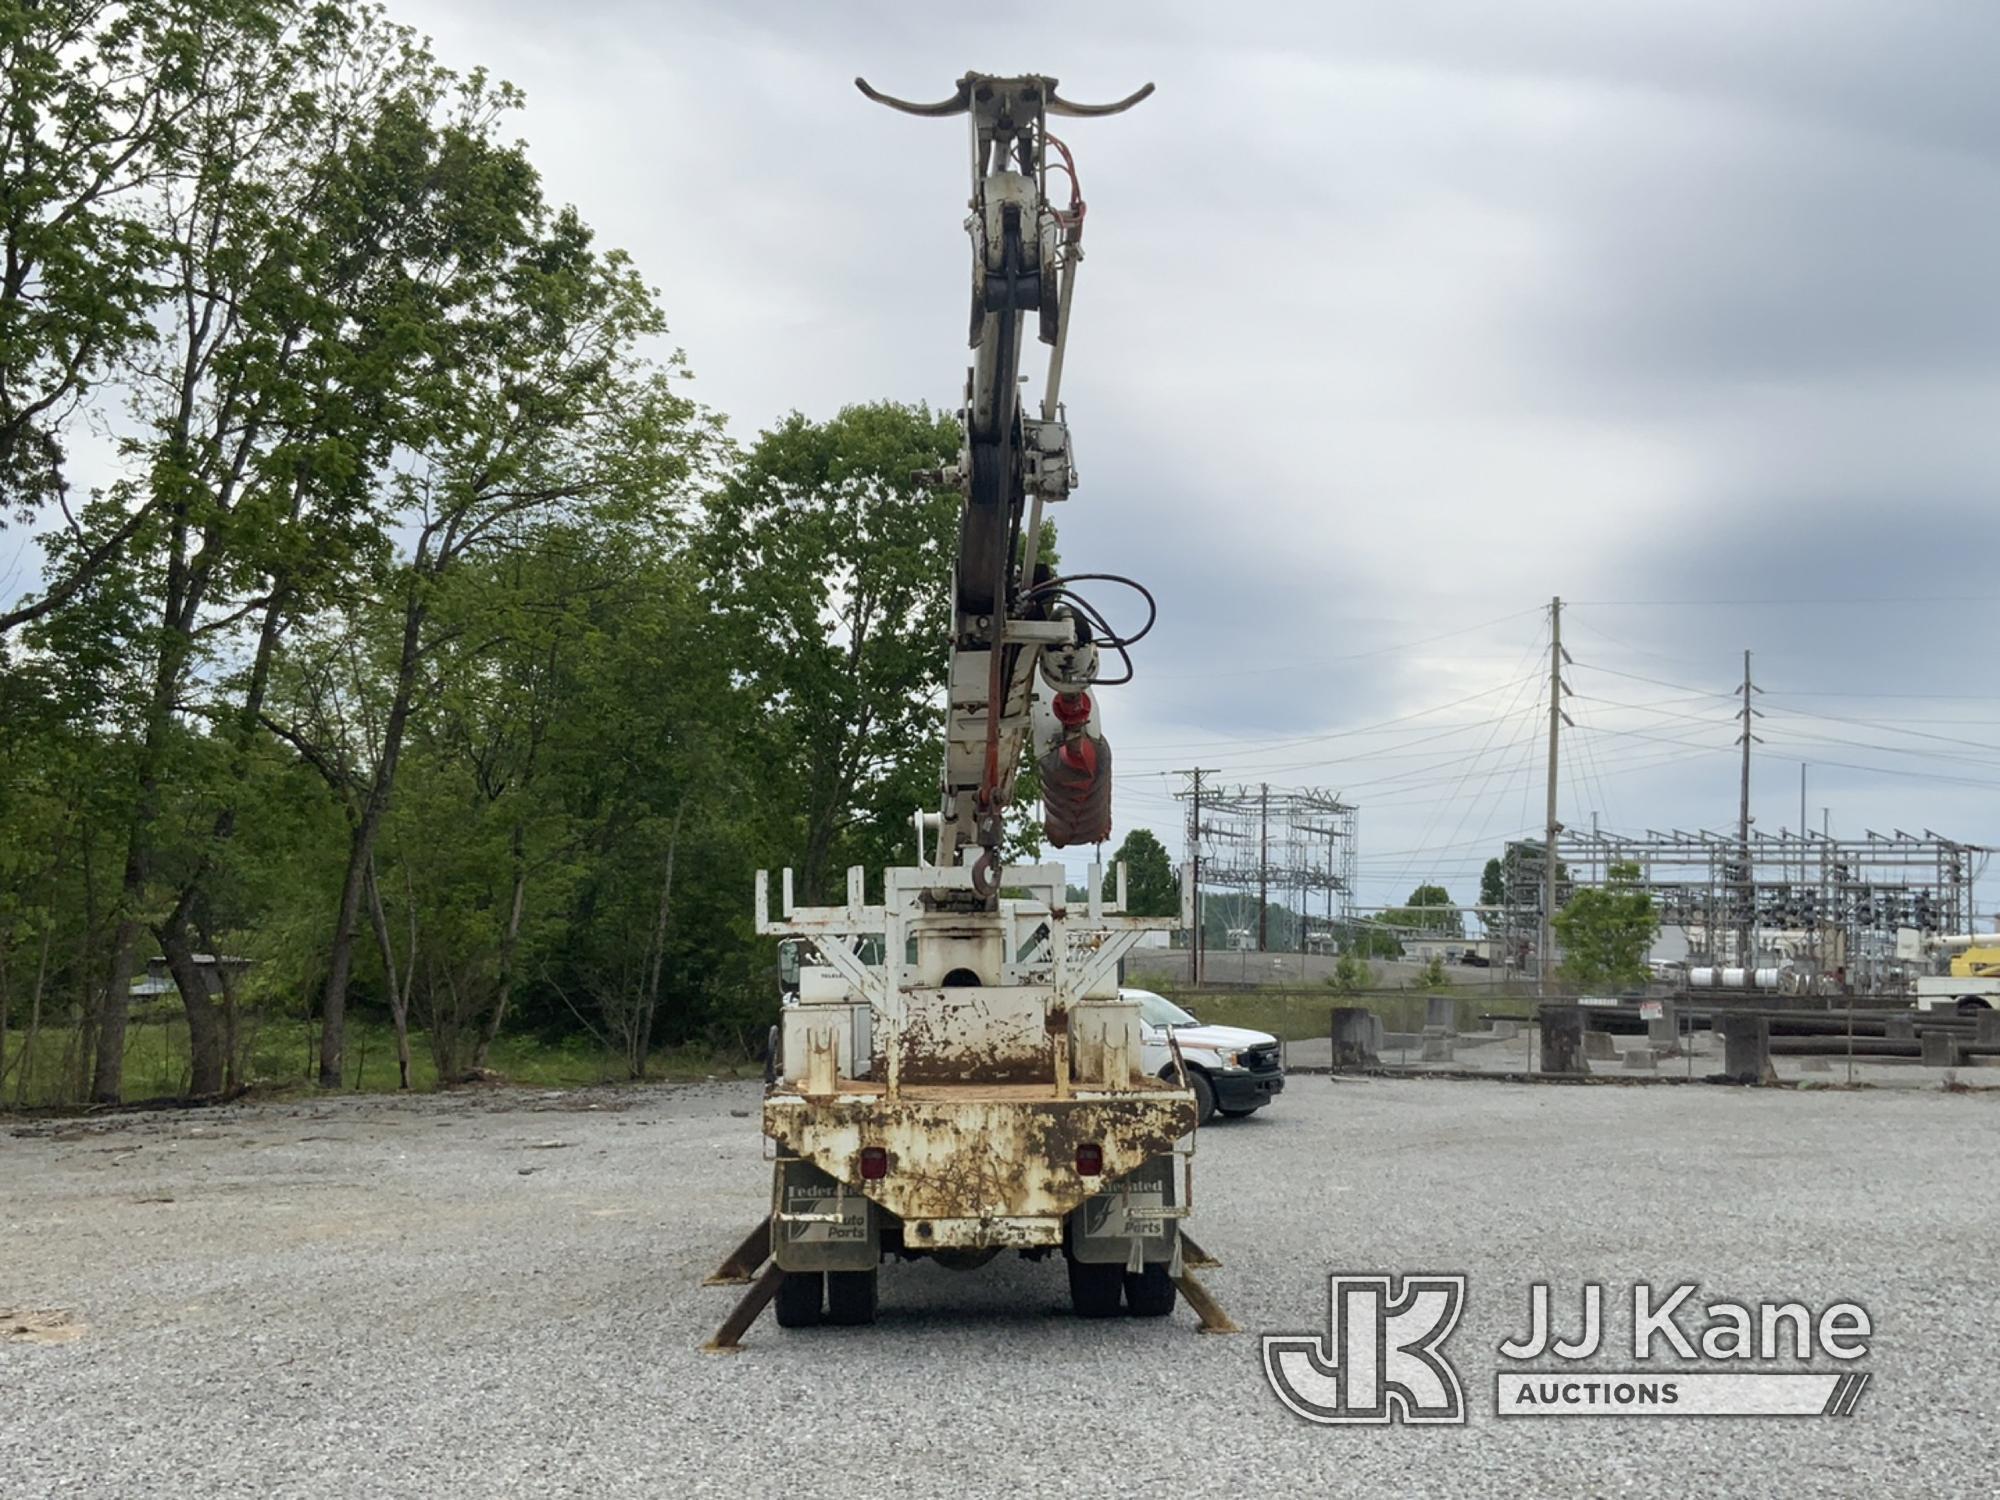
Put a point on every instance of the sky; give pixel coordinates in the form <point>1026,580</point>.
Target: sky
<point>1397,321</point>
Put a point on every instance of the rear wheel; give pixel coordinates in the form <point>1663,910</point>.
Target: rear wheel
<point>1096,1291</point>
<point>850,1296</point>
<point>799,1296</point>
<point>1151,1293</point>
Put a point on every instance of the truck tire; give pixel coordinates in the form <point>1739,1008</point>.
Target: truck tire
<point>1096,1290</point>
<point>1204,1096</point>
<point>850,1297</point>
<point>799,1296</point>
<point>1151,1293</point>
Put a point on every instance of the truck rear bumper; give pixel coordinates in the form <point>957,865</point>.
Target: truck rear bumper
<point>973,1167</point>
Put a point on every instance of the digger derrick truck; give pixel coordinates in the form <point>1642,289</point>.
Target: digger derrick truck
<point>955,1075</point>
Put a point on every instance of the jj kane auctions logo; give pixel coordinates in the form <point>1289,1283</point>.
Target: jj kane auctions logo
<point>1382,1357</point>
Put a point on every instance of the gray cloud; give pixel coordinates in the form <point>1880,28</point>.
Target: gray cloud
<point>1398,319</point>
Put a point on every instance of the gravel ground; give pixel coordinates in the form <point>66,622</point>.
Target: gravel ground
<point>498,1294</point>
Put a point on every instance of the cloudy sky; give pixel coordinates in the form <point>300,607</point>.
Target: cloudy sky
<point>1398,320</point>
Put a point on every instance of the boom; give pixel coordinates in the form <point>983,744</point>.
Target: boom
<point>1013,623</point>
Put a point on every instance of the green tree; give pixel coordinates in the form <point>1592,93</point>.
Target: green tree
<point>1493,884</point>
<point>1367,940</point>
<point>1151,887</point>
<point>832,565</point>
<point>98,104</point>
<point>1429,909</point>
<point>309,193</point>
<point>1605,931</point>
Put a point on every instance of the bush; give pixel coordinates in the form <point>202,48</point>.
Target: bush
<point>1351,975</point>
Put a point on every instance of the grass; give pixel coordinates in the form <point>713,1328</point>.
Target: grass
<point>1297,1015</point>
<point>281,1054</point>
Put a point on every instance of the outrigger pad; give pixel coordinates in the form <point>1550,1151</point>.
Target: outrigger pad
<point>729,1337</point>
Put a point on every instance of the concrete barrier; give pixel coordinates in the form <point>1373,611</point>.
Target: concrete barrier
<point>1437,1048</point>
<point>1640,1060</point>
<point>1940,1050</point>
<point>1357,1037</point>
<point>1440,1015</point>
<point>1664,1029</point>
<point>1506,1031</point>
<point>1562,1040</point>
<point>1746,1048</point>
<point>1986,1027</point>
<point>1900,1028</point>
<point>1812,1064</point>
<point>1598,1046</point>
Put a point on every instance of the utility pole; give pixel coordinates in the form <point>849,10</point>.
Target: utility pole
<point>1802,823</point>
<point>1545,949</point>
<point>1745,897</point>
<point>1195,941</point>
<point>1264,867</point>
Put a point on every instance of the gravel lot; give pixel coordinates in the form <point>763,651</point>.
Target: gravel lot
<point>498,1294</point>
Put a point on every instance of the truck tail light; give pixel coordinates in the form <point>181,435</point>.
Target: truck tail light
<point>1089,1160</point>
<point>874,1163</point>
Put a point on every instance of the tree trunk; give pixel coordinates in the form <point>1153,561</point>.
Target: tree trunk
<point>107,1079</point>
<point>27,1063</point>
<point>205,1057</point>
<point>231,1045</point>
<point>399,1004</point>
<point>509,944</point>
<point>183,596</point>
<point>340,957</point>
<point>656,955</point>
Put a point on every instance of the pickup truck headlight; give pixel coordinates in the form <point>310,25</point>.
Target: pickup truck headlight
<point>1226,1059</point>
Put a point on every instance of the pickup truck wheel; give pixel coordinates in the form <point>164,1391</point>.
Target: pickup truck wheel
<point>1151,1293</point>
<point>1204,1096</point>
<point>850,1297</point>
<point>1096,1291</point>
<point>799,1297</point>
<point>1240,1114</point>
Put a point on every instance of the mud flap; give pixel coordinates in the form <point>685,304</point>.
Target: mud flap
<point>1126,1222</point>
<point>819,1223</point>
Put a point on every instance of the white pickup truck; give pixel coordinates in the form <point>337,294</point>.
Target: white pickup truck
<point>1233,1071</point>
<point>1964,993</point>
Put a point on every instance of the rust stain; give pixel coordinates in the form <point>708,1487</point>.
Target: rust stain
<point>979,1156</point>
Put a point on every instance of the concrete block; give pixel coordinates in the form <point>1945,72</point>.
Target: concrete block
<point>1357,1037</point>
<point>1665,1029</point>
<point>1940,1049</point>
<point>1506,1031</point>
<point>1437,1049</point>
<point>1562,1040</point>
<point>1440,1015</point>
<point>1901,1028</point>
<point>1986,1027</point>
<point>1640,1060</point>
<point>1598,1046</point>
<point>1811,1064</point>
<point>1746,1048</point>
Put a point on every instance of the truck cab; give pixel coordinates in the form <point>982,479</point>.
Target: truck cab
<point>1232,1070</point>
